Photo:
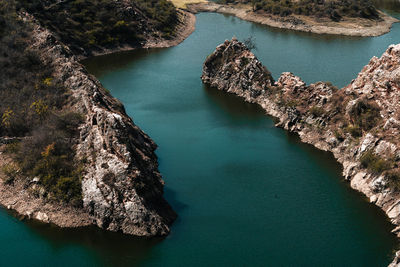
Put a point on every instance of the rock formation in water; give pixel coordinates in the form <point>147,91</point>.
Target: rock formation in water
<point>359,123</point>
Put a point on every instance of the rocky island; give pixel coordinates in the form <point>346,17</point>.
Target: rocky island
<point>359,123</point>
<point>70,155</point>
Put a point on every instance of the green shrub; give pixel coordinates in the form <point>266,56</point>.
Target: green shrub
<point>365,114</point>
<point>59,174</point>
<point>334,10</point>
<point>374,163</point>
<point>338,135</point>
<point>12,148</point>
<point>354,130</point>
<point>317,111</point>
<point>393,179</point>
<point>10,172</point>
<point>33,106</point>
<point>91,24</point>
<point>292,104</point>
<point>244,61</point>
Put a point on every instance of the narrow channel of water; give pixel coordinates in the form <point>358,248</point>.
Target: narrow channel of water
<point>246,192</point>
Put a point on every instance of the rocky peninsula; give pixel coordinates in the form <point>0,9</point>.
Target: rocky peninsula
<point>359,123</point>
<point>119,187</point>
<point>348,26</point>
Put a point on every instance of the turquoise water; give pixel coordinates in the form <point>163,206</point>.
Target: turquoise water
<point>247,193</point>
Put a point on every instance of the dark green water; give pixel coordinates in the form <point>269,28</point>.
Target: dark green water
<point>247,193</point>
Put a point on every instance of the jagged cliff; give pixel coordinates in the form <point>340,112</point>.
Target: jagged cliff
<point>359,123</point>
<point>121,187</point>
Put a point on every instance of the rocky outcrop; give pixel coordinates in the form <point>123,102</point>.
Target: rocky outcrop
<point>359,124</point>
<point>122,189</point>
<point>121,185</point>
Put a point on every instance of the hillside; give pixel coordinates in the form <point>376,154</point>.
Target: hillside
<point>335,10</point>
<point>88,26</point>
<point>69,154</point>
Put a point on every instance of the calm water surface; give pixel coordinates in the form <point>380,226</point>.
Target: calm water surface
<point>247,193</point>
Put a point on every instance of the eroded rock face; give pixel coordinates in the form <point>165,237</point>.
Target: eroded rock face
<point>122,187</point>
<point>233,68</point>
<point>326,117</point>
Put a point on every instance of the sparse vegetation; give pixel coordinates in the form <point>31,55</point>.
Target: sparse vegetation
<point>354,130</point>
<point>365,114</point>
<point>292,104</point>
<point>10,172</point>
<point>93,24</point>
<point>184,3</point>
<point>332,9</point>
<point>317,111</point>
<point>338,135</point>
<point>32,107</point>
<point>33,100</point>
<point>375,163</point>
<point>244,61</point>
<point>393,179</point>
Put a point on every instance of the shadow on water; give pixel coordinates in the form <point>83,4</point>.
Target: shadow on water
<point>237,107</point>
<point>173,200</point>
<point>100,65</point>
<point>233,104</point>
<point>113,249</point>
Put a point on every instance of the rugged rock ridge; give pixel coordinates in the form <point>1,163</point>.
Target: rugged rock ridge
<point>122,187</point>
<point>359,124</point>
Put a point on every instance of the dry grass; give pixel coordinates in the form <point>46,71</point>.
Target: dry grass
<point>182,3</point>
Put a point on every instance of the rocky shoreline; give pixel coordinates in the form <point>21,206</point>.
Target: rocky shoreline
<point>19,198</point>
<point>135,205</point>
<point>348,27</point>
<point>122,187</point>
<point>185,27</point>
<point>317,113</point>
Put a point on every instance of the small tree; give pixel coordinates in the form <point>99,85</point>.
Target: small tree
<point>253,5</point>
<point>6,118</point>
<point>250,43</point>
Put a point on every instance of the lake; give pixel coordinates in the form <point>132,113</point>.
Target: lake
<point>247,193</point>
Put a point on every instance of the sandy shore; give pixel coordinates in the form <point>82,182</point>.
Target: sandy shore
<point>348,26</point>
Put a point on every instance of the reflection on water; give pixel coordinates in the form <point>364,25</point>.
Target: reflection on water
<point>109,248</point>
<point>233,104</point>
<point>118,60</point>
